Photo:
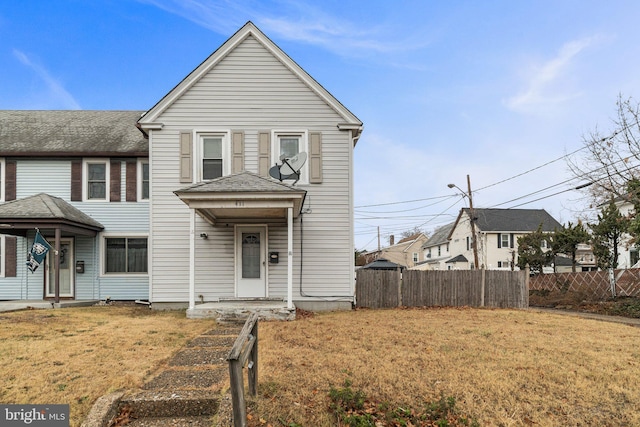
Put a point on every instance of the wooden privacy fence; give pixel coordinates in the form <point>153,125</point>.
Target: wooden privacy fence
<point>593,285</point>
<point>453,288</point>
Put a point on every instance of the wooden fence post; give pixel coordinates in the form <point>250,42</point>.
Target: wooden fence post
<point>482,285</point>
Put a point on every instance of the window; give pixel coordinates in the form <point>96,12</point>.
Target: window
<point>96,179</point>
<point>447,248</point>
<point>504,264</point>
<point>287,145</point>
<point>143,181</point>
<point>415,257</point>
<point>504,240</point>
<point>439,251</point>
<point>214,155</point>
<point>429,253</point>
<point>125,255</point>
<point>543,244</point>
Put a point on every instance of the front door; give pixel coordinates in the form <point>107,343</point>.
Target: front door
<point>67,272</point>
<point>251,258</point>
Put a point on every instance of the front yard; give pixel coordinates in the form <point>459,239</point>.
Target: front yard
<point>502,367</point>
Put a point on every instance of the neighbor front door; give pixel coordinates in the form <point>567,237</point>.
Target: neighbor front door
<point>251,281</point>
<point>67,272</point>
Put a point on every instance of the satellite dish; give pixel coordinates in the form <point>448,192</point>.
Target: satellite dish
<point>293,165</point>
<point>289,169</point>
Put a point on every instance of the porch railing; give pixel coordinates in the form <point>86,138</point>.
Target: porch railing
<point>244,352</point>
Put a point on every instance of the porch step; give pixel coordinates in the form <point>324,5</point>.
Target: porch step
<point>237,311</point>
<point>173,422</point>
<point>169,404</point>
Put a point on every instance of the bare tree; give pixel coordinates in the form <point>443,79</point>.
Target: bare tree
<point>611,160</point>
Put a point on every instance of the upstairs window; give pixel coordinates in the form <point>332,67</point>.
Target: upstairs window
<point>143,168</point>
<point>214,156</point>
<point>504,240</point>
<point>96,180</point>
<point>289,144</point>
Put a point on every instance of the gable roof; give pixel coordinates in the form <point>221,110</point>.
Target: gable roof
<point>457,258</point>
<point>511,220</point>
<point>440,236</point>
<point>71,133</point>
<point>148,120</point>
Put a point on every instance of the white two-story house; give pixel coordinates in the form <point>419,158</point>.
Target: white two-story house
<point>497,232</point>
<point>221,225</point>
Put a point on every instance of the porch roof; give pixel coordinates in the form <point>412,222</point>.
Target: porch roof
<point>242,197</point>
<point>46,212</point>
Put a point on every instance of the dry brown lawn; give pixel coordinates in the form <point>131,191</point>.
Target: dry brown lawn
<point>504,367</point>
<point>76,355</point>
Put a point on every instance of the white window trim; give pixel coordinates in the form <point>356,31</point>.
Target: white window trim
<point>85,179</point>
<point>3,256</point>
<point>139,179</point>
<point>3,185</point>
<point>276,134</point>
<point>226,150</point>
<point>103,253</point>
<point>502,245</point>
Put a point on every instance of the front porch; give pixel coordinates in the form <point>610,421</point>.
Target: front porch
<point>238,309</point>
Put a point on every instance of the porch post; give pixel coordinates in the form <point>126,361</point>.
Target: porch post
<point>192,258</point>
<point>57,265</point>
<point>289,258</point>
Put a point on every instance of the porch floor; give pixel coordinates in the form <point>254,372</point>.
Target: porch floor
<point>16,305</point>
<point>238,310</point>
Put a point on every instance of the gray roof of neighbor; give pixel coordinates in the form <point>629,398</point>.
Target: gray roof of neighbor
<point>458,258</point>
<point>71,133</point>
<point>514,220</point>
<point>441,235</point>
<point>382,264</point>
<point>242,182</point>
<point>44,207</point>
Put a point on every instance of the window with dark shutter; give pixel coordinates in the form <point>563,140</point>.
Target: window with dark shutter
<point>76,180</point>
<point>10,178</point>
<point>114,188</point>
<point>10,256</point>
<point>132,181</point>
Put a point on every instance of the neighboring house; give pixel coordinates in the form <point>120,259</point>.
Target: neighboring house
<point>627,251</point>
<point>220,226</point>
<point>436,250</point>
<point>177,204</point>
<point>406,253</point>
<point>81,178</point>
<point>498,231</point>
<point>382,264</point>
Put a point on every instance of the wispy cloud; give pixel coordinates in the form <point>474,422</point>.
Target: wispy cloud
<point>60,95</point>
<point>296,21</point>
<point>543,88</point>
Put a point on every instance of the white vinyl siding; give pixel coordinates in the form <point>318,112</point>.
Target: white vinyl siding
<point>250,90</point>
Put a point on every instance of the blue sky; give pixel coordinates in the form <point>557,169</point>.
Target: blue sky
<point>493,89</point>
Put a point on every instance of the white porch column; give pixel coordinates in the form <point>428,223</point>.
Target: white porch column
<point>289,258</point>
<point>192,259</point>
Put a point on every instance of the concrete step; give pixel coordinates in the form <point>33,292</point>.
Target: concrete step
<point>172,421</point>
<point>168,404</point>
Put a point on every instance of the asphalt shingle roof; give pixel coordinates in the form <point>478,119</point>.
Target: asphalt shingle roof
<point>72,132</point>
<point>440,236</point>
<point>514,220</point>
<point>44,206</point>
<point>246,182</point>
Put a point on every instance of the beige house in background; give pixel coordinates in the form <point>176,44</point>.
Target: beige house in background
<point>407,252</point>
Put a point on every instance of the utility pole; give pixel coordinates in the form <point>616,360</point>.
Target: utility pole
<point>472,219</point>
<point>472,214</point>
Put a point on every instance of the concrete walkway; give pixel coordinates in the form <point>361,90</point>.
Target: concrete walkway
<point>601,317</point>
<point>42,304</point>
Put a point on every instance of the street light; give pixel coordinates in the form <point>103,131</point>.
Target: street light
<point>472,219</point>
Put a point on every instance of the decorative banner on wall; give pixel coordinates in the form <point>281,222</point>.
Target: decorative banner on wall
<point>38,251</point>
